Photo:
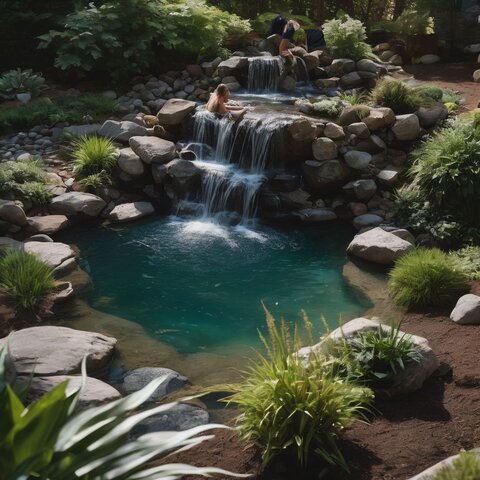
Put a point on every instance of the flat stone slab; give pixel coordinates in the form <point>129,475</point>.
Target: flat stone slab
<point>467,310</point>
<point>378,246</point>
<point>181,417</point>
<point>128,212</point>
<point>153,149</point>
<point>121,131</point>
<point>48,224</point>
<point>77,203</point>
<point>95,392</point>
<point>140,377</point>
<point>51,253</point>
<point>51,350</point>
<point>174,111</point>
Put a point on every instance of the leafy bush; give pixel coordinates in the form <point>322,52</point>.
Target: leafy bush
<point>328,108</point>
<point>20,81</point>
<point>287,405</point>
<point>24,180</point>
<point>94,158</point>
<point>465,467</point>
<point>425,277</point>
<point>49,440</point>
<point>26,278</point>
<point>345,38</point>
<point>355,98</point>
<point>430,91</point>
<point>450,96</point>
<point>122,38</point>
<point>467,259</point>
<point>398,96</point>
<point>63,109</point>
<point>413,22</point>
<point>382,354</point>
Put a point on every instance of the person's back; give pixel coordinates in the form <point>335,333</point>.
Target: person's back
<point>277,26</point>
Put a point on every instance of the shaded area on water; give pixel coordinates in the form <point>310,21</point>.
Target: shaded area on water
<point>197,286</point>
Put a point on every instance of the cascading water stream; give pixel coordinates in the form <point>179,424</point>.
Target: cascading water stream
<point>263,74</point>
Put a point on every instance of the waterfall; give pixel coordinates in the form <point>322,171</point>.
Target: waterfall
<point>263,74</point>
<point>302,70</point>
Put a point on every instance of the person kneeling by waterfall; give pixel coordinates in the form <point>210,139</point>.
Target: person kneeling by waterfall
<point>218,103</point>
<point>284,48</point>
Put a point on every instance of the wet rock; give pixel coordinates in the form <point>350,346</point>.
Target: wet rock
<point>175,111</point>
<point>378,246</point>
<point>185,175</point>
<point>121,131</point>
<point>467,310</point>
<point>232,66</point>
<point>127,212</point>
<point>302,130</point>
<point>76,203</point>
<point>140,377</point>
<point>51,253</point>
<point>153,149</point>
<point>48,350</point>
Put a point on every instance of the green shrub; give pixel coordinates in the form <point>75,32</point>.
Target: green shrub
<point>328,108</point>
<point>26,278</point>
<point>356,98</point>
<point>467,259</point>
<point>24,180</point>
<point>413,22</point>
<point>382,354</point>
<point>94,158</point>
<point>450,96</point>
<point>465,467</point>
<point>398,96</point>
<point>345,38</point>
<point>430,91</point>
<point>287,405</point>
<point>123,38</point>
<point>63,109</point>
<point>425,277</point>
<point>20,81</point>
<point>50,440</point>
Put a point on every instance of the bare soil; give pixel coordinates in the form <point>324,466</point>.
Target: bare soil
<point>408,435</point>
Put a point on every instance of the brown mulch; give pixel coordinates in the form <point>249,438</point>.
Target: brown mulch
<point>412,432</point>
<point>455,76</point>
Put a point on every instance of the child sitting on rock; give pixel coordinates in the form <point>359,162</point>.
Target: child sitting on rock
<point>218,103</point>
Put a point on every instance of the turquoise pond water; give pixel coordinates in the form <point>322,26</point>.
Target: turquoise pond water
<point>196,285</point>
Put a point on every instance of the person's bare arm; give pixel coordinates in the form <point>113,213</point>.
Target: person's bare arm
<point>283,48</point>
<point>233,107</point>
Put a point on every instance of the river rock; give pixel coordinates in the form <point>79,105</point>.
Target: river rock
<point>378,246</point>
<point>94,393</point>
<point>121,131</point>
<point>379,118</point>
<point>476,76</point>
<point>77,203</point>
<point>358,129</point>
<point>185,175</point>
<point>51,253</point>
<point>289,84</point>
<point>430,116</point>
<point>364,189</point>
<point>178,418</point>
<point>7,243</point>
<point>406,127</point>
<point>324,149</point>
<point>82,130</point>
<point>408,380</point>
<point>175,111</point>
<point>351,80</point>
<point>130,163</point>
<point>367,65</point>
<point>11,212</point>
<point>127,212</point>
<point>153,149</point>
<point>389,176</point>
<point>429,59</point>
<point>232,66</point>
<point>48,224</point>
<point>302,130</point>
<point>367,220</point>
<point>334,131</point>
<point>315,215</point>
<point>48,350</point>
<point>325,175</point>
<point>467,310</point>
<point>340,66</point>
<point>358,160</point>
<point>140,377</point>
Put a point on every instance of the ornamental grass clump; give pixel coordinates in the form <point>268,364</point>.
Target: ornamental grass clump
<point>465,467</point>
<point>25,278</point>
<point>399,96</point>
<point>425,277</point>
<point>94,159</point>
<point>295,407</point>
<point>328,108</point>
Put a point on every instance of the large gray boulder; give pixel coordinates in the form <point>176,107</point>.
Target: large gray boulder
<point>378,246</point>
<point>325,175</point>
<point>140,377</point>
<point>302,130</point>
<point>232,67</point>
<point>94,393</point>
<point>467,310</point>
<point>174,111</point>
<point>82,130</point>
<point>406,127</point>
<point>367,220</point>
<point>358,160</point>
<point>184,174</point>
<point>153,149</point>
<point>121,131</point>
<point>127,212</point>
<point>324,149</point>
<point>178,418</point>
<point>12,212</point>
<point>408,380</point>
<point>49,350</point>
<point>51,253</point>
<point>431,115</point>
<point>48,224</point>
<point>379,118</point>
<point>77,203</point>
<point>130,163</point>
